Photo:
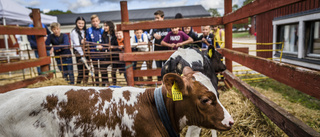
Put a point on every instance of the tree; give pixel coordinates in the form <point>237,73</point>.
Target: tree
<point>214,12</point>
<point>235,7</point>
<point>58,12</point>
<point>246,2</point>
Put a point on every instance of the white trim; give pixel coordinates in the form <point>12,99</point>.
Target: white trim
<point>301,39</point>
<point>274,39</point>
<point>289,52</point>
<point>300,63</point>
<point>297,19</point>
<point>313,55</point>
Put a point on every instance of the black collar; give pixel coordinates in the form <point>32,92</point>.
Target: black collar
<point>163,114</point>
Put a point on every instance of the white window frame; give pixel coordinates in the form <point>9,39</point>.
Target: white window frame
<point>301,21</point>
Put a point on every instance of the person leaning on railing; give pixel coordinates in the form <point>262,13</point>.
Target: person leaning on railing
<point>78,39</point>
<point>64,63</point>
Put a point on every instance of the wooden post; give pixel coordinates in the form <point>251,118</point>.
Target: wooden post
<point>127,46</point>
<point>228,35</point>
<point>40,38</point>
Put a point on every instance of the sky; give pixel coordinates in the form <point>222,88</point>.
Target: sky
<point>85,6</point>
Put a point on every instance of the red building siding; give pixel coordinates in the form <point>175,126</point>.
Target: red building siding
<point>264,26</point>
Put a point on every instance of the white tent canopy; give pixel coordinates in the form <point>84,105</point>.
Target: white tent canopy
<point>13,13</point>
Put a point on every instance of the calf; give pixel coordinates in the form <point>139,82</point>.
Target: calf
<point>128,111</point>
<point>208,62</point>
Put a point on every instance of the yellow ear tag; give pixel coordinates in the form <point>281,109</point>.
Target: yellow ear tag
<point>210,53</point>
<point>176,93</point>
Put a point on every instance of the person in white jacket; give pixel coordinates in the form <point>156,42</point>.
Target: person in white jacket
<point>78,39</point>
<point>139,42</point>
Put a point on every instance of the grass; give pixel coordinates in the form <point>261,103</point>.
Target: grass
<point>240,34</point>
<point>289,93</point>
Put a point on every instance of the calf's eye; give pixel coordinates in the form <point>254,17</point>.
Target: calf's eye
<point>205,101</point>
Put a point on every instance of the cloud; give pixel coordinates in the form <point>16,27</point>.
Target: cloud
<point>75,6</point>
<point>33,3</point>
<point>207,4</point>
<point>169,4</point>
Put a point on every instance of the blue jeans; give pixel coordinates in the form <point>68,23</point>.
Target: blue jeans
<point>66,68</point>
<point>37,56</point>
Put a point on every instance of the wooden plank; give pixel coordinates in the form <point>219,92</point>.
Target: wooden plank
<point>13,30</point>
<point>149,72</point>
<point>24,64</point>
<point>147,82</point>
<point>24,83</point>
<point>240,49</point>
<point>143,56</point>
<point>305,80</point>
<point>291,125</point>
<point>171,23</point>
<point>256,7</point>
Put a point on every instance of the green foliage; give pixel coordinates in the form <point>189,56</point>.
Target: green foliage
<point>290,93</point>
<point>240,34</point>
<point>246,2</point>
<point>58,12</point>
<point>235,7</point>
<point>214,12</point>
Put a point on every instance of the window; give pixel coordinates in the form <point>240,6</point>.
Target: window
<point>312,38</point>
<point>289,35</point>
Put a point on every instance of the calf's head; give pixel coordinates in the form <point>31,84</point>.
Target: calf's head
<point>200,105</point>
<point>215,58</point>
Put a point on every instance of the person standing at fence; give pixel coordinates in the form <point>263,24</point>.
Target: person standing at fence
<point>158,35</point>
<point>108,35</point>
<point>189,31</point>
<point>176,39</point>
<point>64,62</point>
<point>206,37</point>
<point>78,39</point>
<point>139,42</point>
<point>118,47</point>
<point>218,33</point>
<point>33,42</point>
<point>94,34</point>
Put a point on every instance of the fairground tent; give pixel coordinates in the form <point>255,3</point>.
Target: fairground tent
<point>13,13</point>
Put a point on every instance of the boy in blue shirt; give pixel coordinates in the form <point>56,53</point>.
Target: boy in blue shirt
<point>94,34</point>
<point>58,38</point>
<point>33,42</point>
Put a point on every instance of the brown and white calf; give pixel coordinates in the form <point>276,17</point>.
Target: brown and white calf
<point>128,111</point>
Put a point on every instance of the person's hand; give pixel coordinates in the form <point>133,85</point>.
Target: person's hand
<point>178,44</point>
<point>157,36</point>
<point>172,45</point>
<point>45,38</point>
<point>83,41</point>
<point>51,51</point>
<point>99,47</point>
<point>203,39</point>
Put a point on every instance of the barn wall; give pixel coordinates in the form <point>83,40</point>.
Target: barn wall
<point>264,26</point>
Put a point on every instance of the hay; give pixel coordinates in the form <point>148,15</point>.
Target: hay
<point>250,122</point>
<point>51,82</point>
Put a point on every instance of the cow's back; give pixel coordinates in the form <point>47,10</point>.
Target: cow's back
<point>67,111</point>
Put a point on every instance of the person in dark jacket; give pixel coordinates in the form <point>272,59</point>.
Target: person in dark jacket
<point>33,42</point>
<point>64,63</point>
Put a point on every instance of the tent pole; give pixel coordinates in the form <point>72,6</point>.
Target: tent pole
<point>6,43</point>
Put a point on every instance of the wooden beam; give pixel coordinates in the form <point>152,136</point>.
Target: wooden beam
<point>305,80</point>
<point>24,83</point>
<point>13,30</point>
<point>143,56</point>
<point>149,72</point>
<point>292,126</point>
<point>171,23</point>
<point>147,82</point>
<point>254,8</point>
<point>24,64</point>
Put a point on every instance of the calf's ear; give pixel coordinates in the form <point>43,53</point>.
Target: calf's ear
<point>210,51</point>
<point>174,80</point>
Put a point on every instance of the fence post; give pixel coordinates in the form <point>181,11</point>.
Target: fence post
<point>40,39</point>
<point>127,46</point>
<point>228,34</point>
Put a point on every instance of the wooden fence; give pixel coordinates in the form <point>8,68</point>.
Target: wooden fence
<point>43,61</point>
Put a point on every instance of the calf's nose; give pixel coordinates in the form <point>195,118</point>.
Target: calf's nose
<point>231,121</point>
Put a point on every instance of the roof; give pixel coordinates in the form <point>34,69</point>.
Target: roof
<point>137,15</point>
<point>303,13</point>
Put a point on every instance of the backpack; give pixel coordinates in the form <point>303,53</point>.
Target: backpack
<point>90,31</point>
<point>135,37</point>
